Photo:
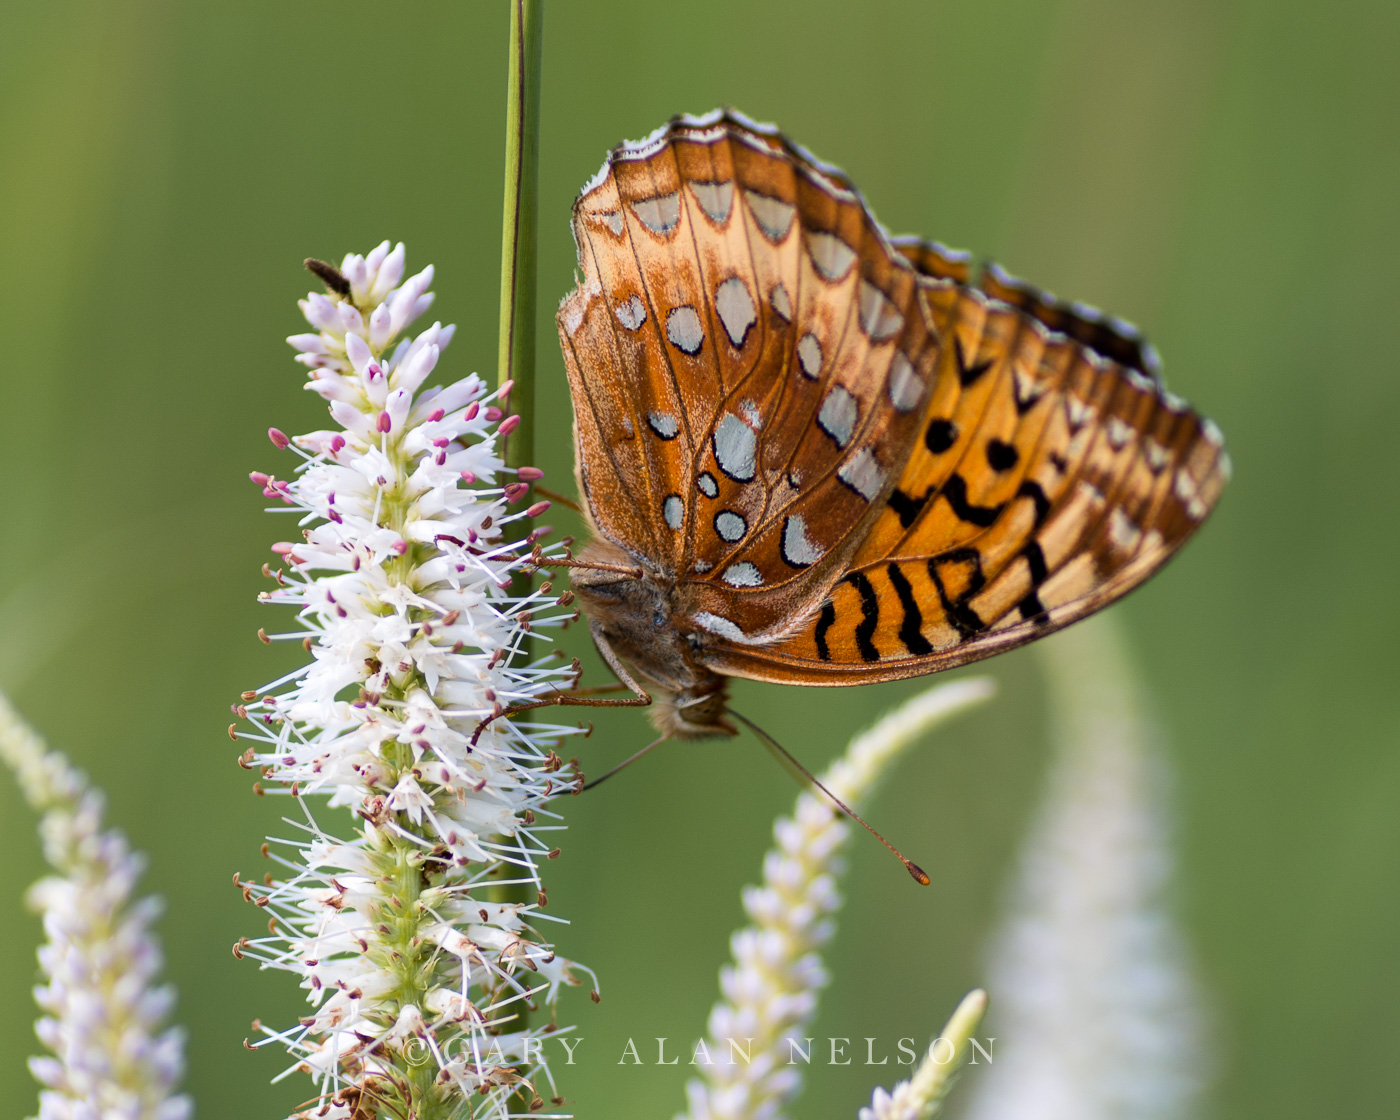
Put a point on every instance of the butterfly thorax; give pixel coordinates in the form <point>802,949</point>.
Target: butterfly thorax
<point>638,621</point>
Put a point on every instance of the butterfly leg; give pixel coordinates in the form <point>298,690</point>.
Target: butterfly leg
<point>640,697</point>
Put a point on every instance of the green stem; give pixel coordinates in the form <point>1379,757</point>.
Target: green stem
<point>519,238</point>
<point>518,282</point>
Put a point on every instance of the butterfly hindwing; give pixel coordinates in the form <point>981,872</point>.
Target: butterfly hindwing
<point>1110,476</point>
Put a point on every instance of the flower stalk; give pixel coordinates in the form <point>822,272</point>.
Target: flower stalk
<point>102,1012</point>
<point>771,989</point>
<point>922,1096</point>
<point>1101,1014</point>
<point>402,579</point>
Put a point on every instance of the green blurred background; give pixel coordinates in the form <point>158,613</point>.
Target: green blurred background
<point>1225,173</point>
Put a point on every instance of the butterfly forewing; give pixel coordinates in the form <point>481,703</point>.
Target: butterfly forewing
<point>852,463</point>
<point>762,318</point>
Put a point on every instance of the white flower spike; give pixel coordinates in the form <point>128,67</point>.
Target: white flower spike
<point>1098,1013</point>
<point>102,1011</point>
<point>770,991</point>
<point>921,1097</point>
<point>417,968</point>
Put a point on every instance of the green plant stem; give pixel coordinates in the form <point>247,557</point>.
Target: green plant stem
<point>519,252</point>
<point>519,238</point>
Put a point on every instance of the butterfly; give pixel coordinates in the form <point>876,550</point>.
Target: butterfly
<point>812,453</point>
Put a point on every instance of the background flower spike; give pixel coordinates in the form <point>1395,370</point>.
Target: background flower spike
<point>770,990</point>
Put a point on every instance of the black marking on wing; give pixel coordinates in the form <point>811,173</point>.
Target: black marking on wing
<point>912,625</point>
<point>963,618</point>
<point>869,616</point>
<point>1032,490</point>
<point>1025,404</point>
<point>1001,456</point>
<point>940,436</point>
<point>968,375</point>
<point>906,506</point>
<point>824,623</point>
<point>955,490</point>
<point>1035,560</point>
<point>1031,608</point>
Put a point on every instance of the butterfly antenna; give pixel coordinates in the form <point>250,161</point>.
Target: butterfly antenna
<point>916,872</point>
<point>623,765</point>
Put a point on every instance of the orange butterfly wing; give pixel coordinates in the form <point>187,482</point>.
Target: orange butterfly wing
<point>1049,482</point>
<point>748,361</point>
<point>855,465</point>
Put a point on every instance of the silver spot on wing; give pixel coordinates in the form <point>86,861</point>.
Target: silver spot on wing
<point>684,330</point>
<point>736,309</point>
<point>831,256</point>
<point>781,302</point>
<point>735,446</point>
<point>879,317</point>
<point>1123,532</point>
<point>809,356</point>
<point>773,215</point>
<point>673,510</point>
<point>663,424</point>
<point>742,574</point>
<point>838,415</point>
<point>798,549</point>
<point>716,199</point>
<point>863,474</point>
<point>659,214</point>
<point>721,626</point>
<point>906,386</point>
<point>1118,432</point>
<point>730,526</point>
<point>632,314</point>
<point>706,484</point>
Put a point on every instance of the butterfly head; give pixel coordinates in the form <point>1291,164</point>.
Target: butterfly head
<point>634,621</point>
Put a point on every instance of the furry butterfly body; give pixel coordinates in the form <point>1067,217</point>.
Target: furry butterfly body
<point>814,454</point>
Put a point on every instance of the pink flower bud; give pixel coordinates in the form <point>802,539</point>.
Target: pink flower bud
<point>493,414</point>
<point>385,423</point>
<point>468,477</point>
<point>537,509</point>
<point>515,491</point>
<point>508,425</point>
<point>260,478</point>
<point>472,410</point>
<point>504,391</point>
<point>279,438</point>
<point>529,474</point>
<point>282,548</point>
<point>399,547</point>
<point>337,442</point>
<point>436,415</point>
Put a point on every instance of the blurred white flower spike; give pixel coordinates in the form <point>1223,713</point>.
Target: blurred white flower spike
<point>770,991</point>
<point>402,580</point>
<point>102,1010</point>
<point>1099,1014</point>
